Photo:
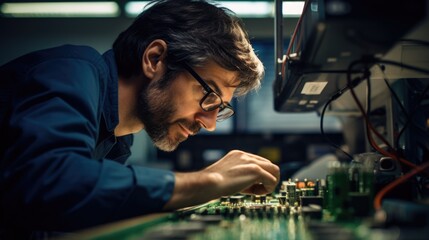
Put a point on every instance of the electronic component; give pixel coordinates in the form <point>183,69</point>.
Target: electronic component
<point>337,207</point>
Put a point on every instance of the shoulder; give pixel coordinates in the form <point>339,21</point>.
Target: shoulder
<point>55,59</point>
<point>78,52</point>
<point>71,52</point>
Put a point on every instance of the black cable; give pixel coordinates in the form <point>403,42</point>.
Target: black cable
<point>322,131</point>
<point>417,69</point>
<point>421,70</point>
<point>322,115</point>
<point>410,117</point>
<point>417,41</point>
<point>366,61</point>
<point>398,101</point>
<point>395,96</point>
<point>368,99</point>
<point>370,60</point>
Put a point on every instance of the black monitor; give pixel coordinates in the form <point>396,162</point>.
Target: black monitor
<point>330,36</point>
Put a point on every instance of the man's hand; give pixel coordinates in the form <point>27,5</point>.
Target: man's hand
<point>237,171</point>
<point>243,172</point>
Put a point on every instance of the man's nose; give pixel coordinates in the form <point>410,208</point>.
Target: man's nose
<point>207,120</point>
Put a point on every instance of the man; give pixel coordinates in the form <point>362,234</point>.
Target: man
<point>68,115</point>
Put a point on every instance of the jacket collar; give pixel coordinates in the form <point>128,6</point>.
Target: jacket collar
<point>110,106</point>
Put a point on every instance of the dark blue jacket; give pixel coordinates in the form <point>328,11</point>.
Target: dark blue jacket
<point>61,167</point>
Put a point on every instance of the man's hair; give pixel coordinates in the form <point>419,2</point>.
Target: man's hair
<point>195,31</point>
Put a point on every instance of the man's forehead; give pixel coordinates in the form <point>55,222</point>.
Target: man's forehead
<point>219,75</point>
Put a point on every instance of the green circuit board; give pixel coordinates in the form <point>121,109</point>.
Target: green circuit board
<point>299,210</point>
<point>338,207</point>
<point>250,219</point>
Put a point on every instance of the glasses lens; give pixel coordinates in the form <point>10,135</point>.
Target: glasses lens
<point>211,102</point>
<point>224,113</point>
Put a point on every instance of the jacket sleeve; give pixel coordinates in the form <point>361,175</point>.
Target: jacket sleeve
<point>49,177</point>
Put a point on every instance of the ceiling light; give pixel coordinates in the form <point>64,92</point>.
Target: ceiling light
<point>134,8</point>
<point>249,8</point>
<point>293,9</point>
<point>245,9</point>
<point>60,9</point>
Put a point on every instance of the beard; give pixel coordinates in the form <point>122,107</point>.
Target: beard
<point>156,110</point>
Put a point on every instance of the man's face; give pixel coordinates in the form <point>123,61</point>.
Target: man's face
<point>171,112</point>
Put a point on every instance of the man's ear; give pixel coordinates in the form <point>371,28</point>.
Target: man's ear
<point>153,63</point>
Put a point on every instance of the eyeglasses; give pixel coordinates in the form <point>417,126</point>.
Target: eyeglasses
<point>211,100</point>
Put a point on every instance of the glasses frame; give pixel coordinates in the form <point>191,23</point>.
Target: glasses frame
<point>209,91</point>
